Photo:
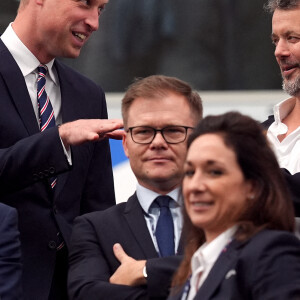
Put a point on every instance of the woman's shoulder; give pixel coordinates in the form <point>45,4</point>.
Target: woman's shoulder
<point>268,235</point>
<point>271,241</point>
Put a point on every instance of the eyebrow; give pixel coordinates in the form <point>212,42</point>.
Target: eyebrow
<point>209,163</point>
<point>289,32</point>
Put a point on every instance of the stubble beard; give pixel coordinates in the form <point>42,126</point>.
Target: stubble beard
<point>292,87</point>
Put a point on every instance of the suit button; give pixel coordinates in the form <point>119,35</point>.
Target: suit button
<point>52,245</point>
<point>51,170</point>
<point>36,177</point>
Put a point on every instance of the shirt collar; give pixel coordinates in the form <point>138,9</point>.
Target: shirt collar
<point>26,61</point>
<point>209,252</point>
<point>146,197</point>
<point>283,108</point>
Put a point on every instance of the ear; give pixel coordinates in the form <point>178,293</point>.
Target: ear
<point>124,143</point>
<point>251,189</point>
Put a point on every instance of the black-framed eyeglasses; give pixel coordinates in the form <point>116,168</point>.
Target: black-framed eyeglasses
<point>171,134</point>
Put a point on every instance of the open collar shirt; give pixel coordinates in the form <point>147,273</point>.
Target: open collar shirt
<point>28,64</point>
<point>287,151</point>
<point>205,257</point>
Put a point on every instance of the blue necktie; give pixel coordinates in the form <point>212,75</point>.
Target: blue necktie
<point>46,113</point>
<point>164,232</point>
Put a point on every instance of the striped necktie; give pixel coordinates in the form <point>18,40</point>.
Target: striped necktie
<point>46,113</point>
<point>47,120</point>
<point>164,232</point>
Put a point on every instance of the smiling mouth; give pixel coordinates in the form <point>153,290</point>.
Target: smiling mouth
<point>286,68</point>
<point>201,204</point>
<point>82,37</point>
<point>159,158</point>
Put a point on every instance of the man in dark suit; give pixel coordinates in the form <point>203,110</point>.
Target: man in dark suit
<point>10,255</point>
<point>284,126</point>
<point>159,112</point>
<point>48,171</point>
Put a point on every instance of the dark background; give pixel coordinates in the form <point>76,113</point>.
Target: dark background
<point>212,44</point>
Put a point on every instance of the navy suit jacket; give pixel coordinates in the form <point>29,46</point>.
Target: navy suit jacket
<point>266,267</point>
<point>10,255</point>
<point>28,158</point>
<point>293,181</point>
<point>92,261</point>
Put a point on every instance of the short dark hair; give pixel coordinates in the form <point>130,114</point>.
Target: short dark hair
<point>271,207</point>
<point>271,5</point>
<point>156,86</point>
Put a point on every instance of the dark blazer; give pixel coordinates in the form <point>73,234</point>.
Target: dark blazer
<point>10,255</point>
<point>28,158</point>
<point>92,261</point>
<point>265,267</point>
<point>293,181</point>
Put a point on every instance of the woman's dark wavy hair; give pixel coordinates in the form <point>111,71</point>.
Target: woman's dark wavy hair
<point>271,207</point>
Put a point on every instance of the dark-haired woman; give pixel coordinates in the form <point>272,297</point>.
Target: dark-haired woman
<point>239,219</point>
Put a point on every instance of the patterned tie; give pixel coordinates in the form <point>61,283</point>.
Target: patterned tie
<point>47,120</point>
<point>46,113</point>
<point>165,227</point>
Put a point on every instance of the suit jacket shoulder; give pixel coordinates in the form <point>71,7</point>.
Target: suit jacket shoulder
<point>266,124</point>
<point>92,261</point>
<point>265,267</point>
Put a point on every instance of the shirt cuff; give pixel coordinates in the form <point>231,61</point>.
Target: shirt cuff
<point>67,152</point>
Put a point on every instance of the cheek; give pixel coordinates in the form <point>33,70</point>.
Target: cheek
<point>185,185</point>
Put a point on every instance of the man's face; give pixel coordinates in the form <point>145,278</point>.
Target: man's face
<point>158,166</point>
<point>286,37</point>
<point>65,26</point>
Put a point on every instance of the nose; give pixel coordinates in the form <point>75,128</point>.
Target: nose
<point>92,19</point>
<point>282,49</point>
<point>158,141</point>
<point>195,183</point>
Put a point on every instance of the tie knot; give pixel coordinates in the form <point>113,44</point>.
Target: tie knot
<point>42,69</point>
<point>163,201</point>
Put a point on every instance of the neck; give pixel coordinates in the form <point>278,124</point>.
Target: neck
<point>160,188</point>
<point>292,120</point>
<point>26,28</point>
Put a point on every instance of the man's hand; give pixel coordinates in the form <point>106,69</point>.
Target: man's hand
<point>130,271</point>
<point>81,131</point>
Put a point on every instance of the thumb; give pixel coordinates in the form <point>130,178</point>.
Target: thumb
<point>119,253</point>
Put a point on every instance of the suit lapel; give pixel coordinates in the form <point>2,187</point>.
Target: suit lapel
<point>135,217</point>
<point>68,102</point>
<point>16,85</point>
<point>219,271</point>
<point>68,94</point>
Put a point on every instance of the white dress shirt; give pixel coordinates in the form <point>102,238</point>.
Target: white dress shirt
<point>151,212</point>
<point>28,64</point>
<point>288,150</point>
<point>205,257</point>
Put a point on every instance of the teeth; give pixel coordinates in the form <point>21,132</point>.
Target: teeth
<point>80,35</point>
<point>201,204</point>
